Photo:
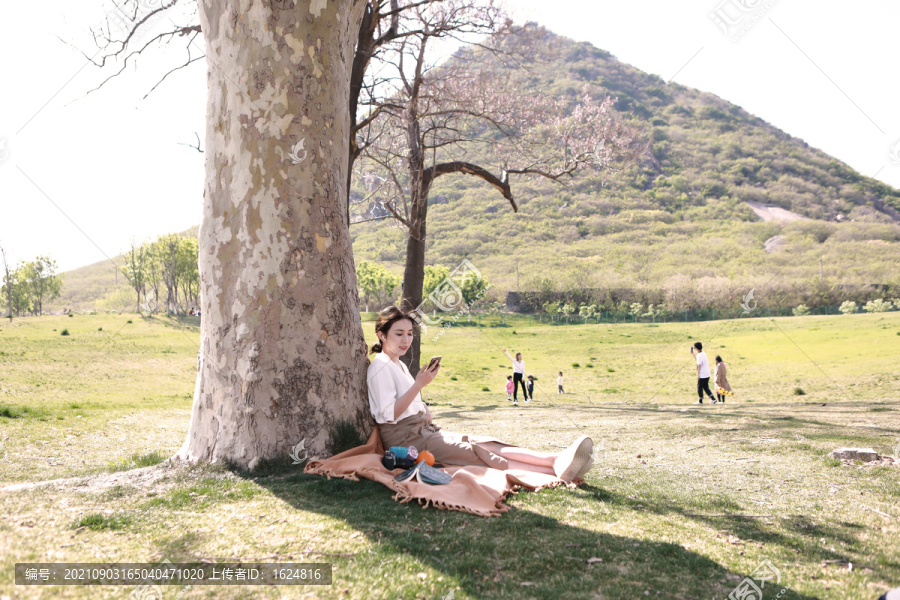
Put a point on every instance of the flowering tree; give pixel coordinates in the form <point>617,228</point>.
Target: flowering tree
<point>635,310</point>
<point>653,312</point>
<point>587,311</point>
<point>567,309</point>
<point>551,308</point>
<point>848,307</point>
<point>435,115</point>
<point>801,310</point>
<point>878,305</point>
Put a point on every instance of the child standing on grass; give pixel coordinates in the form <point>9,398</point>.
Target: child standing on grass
<point>509,387</point>
<point>530,389</point>
<point>559,383</point>
<point>721,380</point>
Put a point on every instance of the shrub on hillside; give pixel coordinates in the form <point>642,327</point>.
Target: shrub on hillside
<point>879,305</point>
<point>848,307</point>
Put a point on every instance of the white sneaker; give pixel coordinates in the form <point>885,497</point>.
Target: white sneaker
<point>576,460</point>
<point>584,470</point>
<point>699,402</point>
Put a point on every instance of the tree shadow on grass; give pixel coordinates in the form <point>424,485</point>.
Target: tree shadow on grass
<point>462,411</point>
<point>766,424</point>
<point>724,514</point>
<point>521,554</point>
<point>810,428</point>
<point>803,534</point>
<point>180,322</point>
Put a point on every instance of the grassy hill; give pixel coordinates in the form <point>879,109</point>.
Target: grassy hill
<point>99,286</point>
<point>92,287</point>
<point>682,212</point>
<point>680,226</point>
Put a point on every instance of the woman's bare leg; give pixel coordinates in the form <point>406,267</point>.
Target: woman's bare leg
<point>575,458</point>
<point>513,464</point>
<point>523,455</point>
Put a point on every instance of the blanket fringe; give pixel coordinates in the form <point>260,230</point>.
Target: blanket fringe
<point>499,507</point>
<point>403,498</point>
<point>317,470</point>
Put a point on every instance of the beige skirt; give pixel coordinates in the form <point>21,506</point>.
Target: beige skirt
<point>447,447</point>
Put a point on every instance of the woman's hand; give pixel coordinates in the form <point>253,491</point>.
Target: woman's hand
<point>426,376</point>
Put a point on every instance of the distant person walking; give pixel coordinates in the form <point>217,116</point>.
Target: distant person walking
<point>559,384</point>
<point>721,379</point>
<point>702,372</point>
<point>530,389</point>
<point>509,387</point>
<point>518,374</point>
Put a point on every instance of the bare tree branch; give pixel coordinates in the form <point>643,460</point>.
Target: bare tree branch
<point>197,147</point>
<point>188,62</point>
<point>125,49</point>
<point>501,183</point>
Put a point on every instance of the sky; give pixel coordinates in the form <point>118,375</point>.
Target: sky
<point>83,171</point>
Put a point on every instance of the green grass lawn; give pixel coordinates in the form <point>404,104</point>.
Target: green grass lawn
<point>684,502</point>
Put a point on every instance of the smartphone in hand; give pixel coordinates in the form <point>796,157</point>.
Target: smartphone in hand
<point>434,360</point>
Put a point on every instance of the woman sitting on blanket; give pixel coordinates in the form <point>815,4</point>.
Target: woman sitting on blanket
<point>404,419</point>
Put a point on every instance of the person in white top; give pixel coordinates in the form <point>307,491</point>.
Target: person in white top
<point>703,373</point>
<point>404,420</point>
<point>518,375</point>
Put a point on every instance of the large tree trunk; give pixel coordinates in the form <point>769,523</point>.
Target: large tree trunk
<point>414,271</point>
<point>283,355</point>
<point>357,71</point>
<point>413,282</point>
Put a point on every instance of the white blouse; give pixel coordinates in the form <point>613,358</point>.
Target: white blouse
<point>518,365</point>
<point>387,382</point>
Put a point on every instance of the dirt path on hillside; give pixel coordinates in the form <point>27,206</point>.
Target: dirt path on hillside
<point>768,212</point>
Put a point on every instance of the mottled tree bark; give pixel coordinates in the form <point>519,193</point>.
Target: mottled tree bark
<point>282,351</point>
<point>414,271</point>
<point>414,276</point>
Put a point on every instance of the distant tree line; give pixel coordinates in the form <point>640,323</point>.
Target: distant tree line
<point>164,273</point>
<point>681,292</point>
<point>28,286</point>
<point>378,286</point>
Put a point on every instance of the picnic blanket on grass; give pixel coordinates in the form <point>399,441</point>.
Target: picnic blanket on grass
<point>478,490</point>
